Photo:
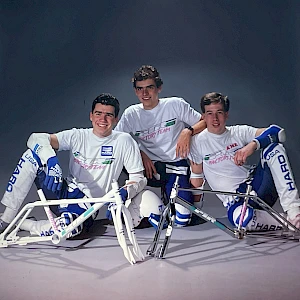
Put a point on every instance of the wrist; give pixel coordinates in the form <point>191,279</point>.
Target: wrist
<point>191,129</point>
<point>256,144</point>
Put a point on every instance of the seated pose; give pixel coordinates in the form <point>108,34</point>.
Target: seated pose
<point>219,154</point>
<point>163,128</point>
<point>97,157</point>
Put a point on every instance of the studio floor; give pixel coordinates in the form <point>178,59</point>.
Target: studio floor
<point>202,262</point>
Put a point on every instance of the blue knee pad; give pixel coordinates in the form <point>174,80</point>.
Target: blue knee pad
<point>182,219</point>
<point>272,134</point>
<point>154,221</point>
<point>234,214</point>
<point>66,219</point>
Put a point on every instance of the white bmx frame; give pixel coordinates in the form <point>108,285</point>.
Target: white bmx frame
<point>132,252</point>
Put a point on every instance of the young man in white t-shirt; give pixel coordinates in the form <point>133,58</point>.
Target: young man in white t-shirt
<point>163,129</point>
<point>97,157</point>
<point>219,155</point>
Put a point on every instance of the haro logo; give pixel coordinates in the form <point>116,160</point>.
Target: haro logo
<point>14,176</point>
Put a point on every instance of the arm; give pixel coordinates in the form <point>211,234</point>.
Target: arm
<point>242,154</point>
<point>148,165</point>
<point>184,139</point>
<point>197,178</point>
<point>135,184</point>
<point>54,141</point>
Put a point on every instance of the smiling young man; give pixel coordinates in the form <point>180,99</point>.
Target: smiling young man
<point>163,128</point>
<point>97,157</point>
<point>219,155</point>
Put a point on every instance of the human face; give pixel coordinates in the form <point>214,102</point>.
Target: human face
<point>215,118</point>
<point>103,119</point>
<point>147,92</point>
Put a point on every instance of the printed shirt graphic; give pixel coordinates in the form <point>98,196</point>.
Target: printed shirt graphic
<point>95,162</point>
<point>216,152</point>
<point>157,130</point>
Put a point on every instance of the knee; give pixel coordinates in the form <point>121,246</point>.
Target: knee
<point>234,214</point>
<point>65,220</point>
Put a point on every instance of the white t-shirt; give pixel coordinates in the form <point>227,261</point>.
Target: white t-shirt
<point>95,162</point>
<point>157,130</point>
<point>216,152</point>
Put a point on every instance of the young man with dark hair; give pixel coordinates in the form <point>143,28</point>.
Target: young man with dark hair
<point>97,157</point>
<point>163,128</point>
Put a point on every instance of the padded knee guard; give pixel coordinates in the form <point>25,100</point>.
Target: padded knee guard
<point>272,134</point>
<point>66,219</point>
<point>143,205</point>
<point>183,215</point>
<point>234,214</point>
<point>154,221</point>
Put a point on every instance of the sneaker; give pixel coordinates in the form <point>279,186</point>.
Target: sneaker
<point>3,226</point>
<point>295,221</point>
<point>195,220</point>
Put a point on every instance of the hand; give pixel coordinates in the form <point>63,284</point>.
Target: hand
<point>54,179</point>
<point>241,155</point>
<point>148,165</point>
<point>183,143</point>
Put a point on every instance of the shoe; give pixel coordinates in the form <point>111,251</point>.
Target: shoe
<point>295,221</point>
<point>3,226</point>
<point>195,220</point>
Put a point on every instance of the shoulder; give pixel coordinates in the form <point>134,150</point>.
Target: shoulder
<point>133,108</point>
<point>122,136</point>
<point>74,131</point>
<point>172,100</point>
<point>240,128</point>
<point>203,135</point>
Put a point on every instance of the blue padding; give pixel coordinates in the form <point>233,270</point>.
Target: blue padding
<point>269,136</point>
<point>154,221</point>
<point>248,216</point>
<point>182,219</point>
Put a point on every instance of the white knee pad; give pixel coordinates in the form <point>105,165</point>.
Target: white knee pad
<point>143,204</point>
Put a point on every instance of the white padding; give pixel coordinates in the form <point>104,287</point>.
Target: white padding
<point>39,143</point>
<point>135,184</point>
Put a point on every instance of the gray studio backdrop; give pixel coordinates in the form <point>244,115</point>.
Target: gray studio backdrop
<point>57,56</point>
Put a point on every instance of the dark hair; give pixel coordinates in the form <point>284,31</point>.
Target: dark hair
<point>107,99</point>
<point>214,97</point>
<point>146,72</point>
